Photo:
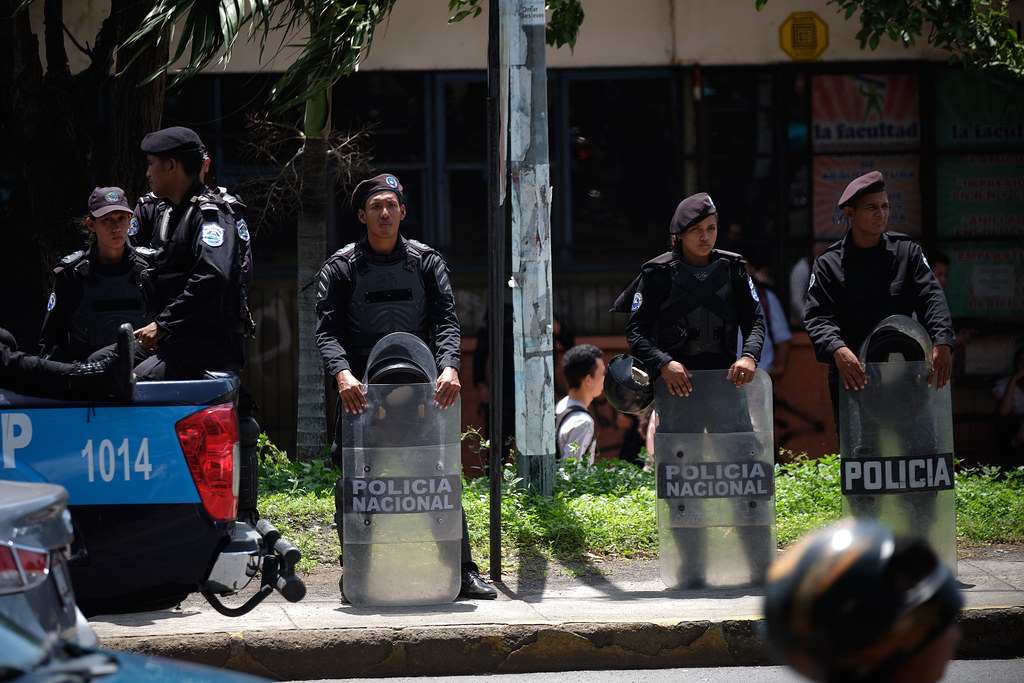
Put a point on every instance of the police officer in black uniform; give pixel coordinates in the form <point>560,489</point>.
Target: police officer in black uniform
<point>864,278</point>
<point>96,290</point>
<point>687,304</point>
<point>685,308</point>
<point>382,284</point>
<point>195,287</point>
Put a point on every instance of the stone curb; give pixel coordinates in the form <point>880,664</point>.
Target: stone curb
<point>376,652</point>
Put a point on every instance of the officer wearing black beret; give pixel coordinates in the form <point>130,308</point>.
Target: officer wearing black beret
<point>194,288</point>
<point>382,284</point>
<point>864,278</point>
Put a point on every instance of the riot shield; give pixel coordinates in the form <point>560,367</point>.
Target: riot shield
<point>402,493</point>
<point>896,446</point>
<point>716,482</point>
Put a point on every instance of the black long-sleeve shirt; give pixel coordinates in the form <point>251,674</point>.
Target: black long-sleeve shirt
<point>853,289</point>
<point>336,287</point>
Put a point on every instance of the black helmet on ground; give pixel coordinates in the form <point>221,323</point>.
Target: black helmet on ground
<point>853,602</point>
<point>628,386</point>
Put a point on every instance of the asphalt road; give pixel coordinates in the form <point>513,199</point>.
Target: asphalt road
<point>961,671</point>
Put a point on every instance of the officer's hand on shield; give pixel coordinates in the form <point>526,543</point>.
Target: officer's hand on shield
<point>448,388</point>
<point>350,392</point>
<point>742,371</point>
<point>677,378</point>
<point>942,366</point>
<point>850,369</point>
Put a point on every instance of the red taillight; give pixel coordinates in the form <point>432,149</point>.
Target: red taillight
<point>209,439</point>
<point>21,568</point>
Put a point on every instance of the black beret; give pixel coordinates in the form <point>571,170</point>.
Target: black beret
<point>691,211</point>
<point>173,140</point>
<point>371,186</point>
<point>865,184</point>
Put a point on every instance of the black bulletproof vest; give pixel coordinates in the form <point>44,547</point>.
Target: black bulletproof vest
<point>387,296</point>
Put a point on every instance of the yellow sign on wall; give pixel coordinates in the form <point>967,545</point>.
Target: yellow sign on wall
<point>803,36</point>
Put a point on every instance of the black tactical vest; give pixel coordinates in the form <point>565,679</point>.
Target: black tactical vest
<point>386,297</point>
<point>108,300</point>
<point>699,316</point>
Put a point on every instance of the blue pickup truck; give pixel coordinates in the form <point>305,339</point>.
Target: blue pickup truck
<point>153,490</point>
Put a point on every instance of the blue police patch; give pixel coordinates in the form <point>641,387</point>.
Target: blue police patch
<point>213,234</point>
<point>52,302</point>
<point>243,230</point>
<point>925,262</point>
<point>391,181</point>
<point>638,301</point>
<point>112,196</point>
<point>811,283</point>
<point>753,289</point>
<point>133,226</point>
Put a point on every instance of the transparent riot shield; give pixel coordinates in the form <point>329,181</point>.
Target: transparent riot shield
<point>402,493</point>
<point>896,450</point>
<point>716,482</point>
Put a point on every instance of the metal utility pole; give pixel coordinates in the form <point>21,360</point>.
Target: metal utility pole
<point>530,201</point>
<point>497,134</point>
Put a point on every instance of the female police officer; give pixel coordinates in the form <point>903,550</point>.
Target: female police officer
<point>688,303</point>
<point>686,307</point>
<point>94,291</point>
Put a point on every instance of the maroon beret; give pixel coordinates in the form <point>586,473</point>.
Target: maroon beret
<point>865,184</point>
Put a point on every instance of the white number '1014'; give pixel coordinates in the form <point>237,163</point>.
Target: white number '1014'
<point>106,460</point>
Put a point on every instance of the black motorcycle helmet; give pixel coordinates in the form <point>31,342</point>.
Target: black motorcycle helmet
<point>852,602</point>
<point>628,386</point>
<point>898,337</point>
<point>400,358</point>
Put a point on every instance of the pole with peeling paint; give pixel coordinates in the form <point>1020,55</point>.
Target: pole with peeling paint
<point>530,199</point>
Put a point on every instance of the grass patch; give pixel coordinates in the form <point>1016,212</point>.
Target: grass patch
<point>609,510</point>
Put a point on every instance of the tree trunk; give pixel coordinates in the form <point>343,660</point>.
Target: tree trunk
<point>311,437</point>
<point>136,110</point>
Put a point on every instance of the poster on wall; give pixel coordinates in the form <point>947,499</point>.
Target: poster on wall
<point>831,175</point>
<point>975,111</point>
<point>986,279</point>
<point>980,196</point>
<point>875,113</point>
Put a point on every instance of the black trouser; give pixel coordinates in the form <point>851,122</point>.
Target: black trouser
<point>30,374</point>
<point>188,357</point>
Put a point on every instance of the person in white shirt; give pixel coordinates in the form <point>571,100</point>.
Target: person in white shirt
<point>576,432</point>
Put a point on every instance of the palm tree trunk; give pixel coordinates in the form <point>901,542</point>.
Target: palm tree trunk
<point>311,437</point>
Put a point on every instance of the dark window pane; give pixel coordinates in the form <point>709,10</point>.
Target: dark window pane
<point>465,121</point>
<point>393,103</point>
<point>622,145</point>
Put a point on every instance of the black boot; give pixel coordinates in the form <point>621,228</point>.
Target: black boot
<point>112,375</point>
<point>473,586</point>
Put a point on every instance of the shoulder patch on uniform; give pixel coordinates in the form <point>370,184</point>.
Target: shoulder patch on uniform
<point>243,229</point>
<point>213,234</point>
<point>638,301</point>
<point>810,283</point>
<point>133,226</point>
<point>52,301</point>
<point>753,289</point>
<point>925,262</point>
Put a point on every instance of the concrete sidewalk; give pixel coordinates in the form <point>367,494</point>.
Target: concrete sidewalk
<point>594,622</point>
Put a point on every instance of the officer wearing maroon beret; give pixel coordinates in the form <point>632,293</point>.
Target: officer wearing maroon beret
<point>865,277</point>
<point>382,284</point>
